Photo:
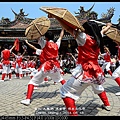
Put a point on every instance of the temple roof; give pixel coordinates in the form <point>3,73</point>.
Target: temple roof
<point>19,25</point>
<point>21,22</point>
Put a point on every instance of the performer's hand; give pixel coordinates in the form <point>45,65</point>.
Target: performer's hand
<point>109,24</point>
<point>105,29</point>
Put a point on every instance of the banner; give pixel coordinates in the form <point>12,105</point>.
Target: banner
<point>17,44</point>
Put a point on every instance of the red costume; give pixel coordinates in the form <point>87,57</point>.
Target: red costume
<point>5,54</point>
<point>87,72</point>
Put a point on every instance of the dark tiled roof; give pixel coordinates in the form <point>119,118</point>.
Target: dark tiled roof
<point>23,24</point>
<point>19,25</point>
<point>12,38</point>
<point>23,38</point>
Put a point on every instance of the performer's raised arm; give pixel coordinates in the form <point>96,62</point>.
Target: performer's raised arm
<point>13,53</point>
<point>24,53</point>
<point>30,45</point>
<point>13,47</point>
<point>61,34</point>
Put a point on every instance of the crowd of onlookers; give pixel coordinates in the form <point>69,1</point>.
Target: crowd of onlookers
<point>114,62</point>
<point>68,62</point>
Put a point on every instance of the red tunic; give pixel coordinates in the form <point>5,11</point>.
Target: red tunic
<point>88,58</point>
<point>49,56</point>
<point>107,57</point>
<point>33,64</point>
<point>19,60</point>
<point>23,65</point>
<point>29,63</point>
<point>13,64</point>
<point>6,56</point>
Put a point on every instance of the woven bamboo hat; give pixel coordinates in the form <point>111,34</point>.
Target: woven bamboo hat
<point>65,15</point>
<point>37,28</point>
<point>113,33</point>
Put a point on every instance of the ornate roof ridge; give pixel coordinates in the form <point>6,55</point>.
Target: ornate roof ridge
<point>21,17</point>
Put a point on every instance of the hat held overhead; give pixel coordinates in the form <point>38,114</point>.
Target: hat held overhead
<point>37,28</point>
<point>64,15</point>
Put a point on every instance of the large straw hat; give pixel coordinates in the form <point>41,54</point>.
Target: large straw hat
<point>65,15</point>
<point>37,28</point>
<point>113,33</point>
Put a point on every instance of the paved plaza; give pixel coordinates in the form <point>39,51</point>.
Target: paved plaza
<point>46,99</point>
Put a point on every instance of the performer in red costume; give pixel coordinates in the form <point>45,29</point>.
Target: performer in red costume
<point>106,56</point>
<point>5,55</point>
<point>19,58</point>
<point>87,72</point>
<point>24,67</point>
<point>31,65</point>
<point>50,66</point>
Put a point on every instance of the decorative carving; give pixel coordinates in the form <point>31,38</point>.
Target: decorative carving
<point>87,15</point>
<point>110,12</point>
<point>82,14</point>
<point>5,22</point>
<point>19,16</point>
<point>106,17</point>
<point>22,13</point>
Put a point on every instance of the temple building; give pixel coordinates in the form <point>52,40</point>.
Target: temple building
<point>10,30</point>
